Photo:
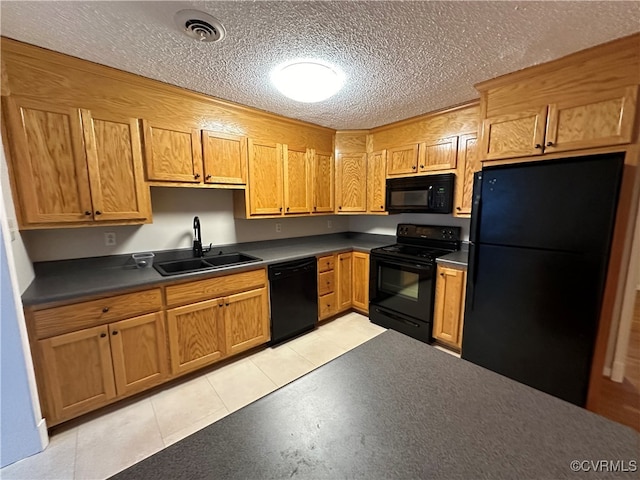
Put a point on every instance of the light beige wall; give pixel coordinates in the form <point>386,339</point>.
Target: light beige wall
<point>173,212</point>
<point>24,268</point>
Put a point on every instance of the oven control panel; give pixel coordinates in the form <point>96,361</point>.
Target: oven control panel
<point>428,232</point>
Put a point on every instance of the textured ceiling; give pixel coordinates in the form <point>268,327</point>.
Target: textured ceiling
<point>401,59</point>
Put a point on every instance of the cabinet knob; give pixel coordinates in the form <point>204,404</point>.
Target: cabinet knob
<point>549,144</point>
<point>221,304</point>
<point>413,168</point>
<point>87,212</point>
<point>538,146</point>
<point>287,209</point>
<point>458,208</point>
<point>196,176</point>
<point>382,207</point>
<point>421,166</point>
<point>115,332</point>
<point>442,274</point>
<point>226,304</point>
<point>340,207</point>
<point>315,208</point>
<point>208,177</point>
<point>102,335</point>
<point>280,208</point>
<point>98,212</point>
<point>105,309</point>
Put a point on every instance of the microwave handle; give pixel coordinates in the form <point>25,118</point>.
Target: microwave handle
<point>430,196</point>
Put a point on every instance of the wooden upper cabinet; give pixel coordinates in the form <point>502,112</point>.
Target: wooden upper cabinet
<point>600,120</point>
<point>402,160</point>
<point>297,181</point>
<point>468,165</point>
<point>438,155</point>
<point>225,158</point>
<point>114,158</point>
<point>514,135</point>
<point>246,317</point>
<point>139,352</point>
<point>376,188</point>
<point>78,372</point>
<point>49,161</point>
<point>172,153</point>
<point>351,182</point>
<point>265,178</point>
<point>73,165</point>
<point>323,182</point>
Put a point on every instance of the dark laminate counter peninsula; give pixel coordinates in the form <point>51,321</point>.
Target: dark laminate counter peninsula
<point>398,408</point>
<point>72,279</point>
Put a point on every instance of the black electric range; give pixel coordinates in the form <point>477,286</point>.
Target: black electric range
<point>402,278</point>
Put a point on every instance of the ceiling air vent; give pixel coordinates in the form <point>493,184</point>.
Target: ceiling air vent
<point>200,26</point>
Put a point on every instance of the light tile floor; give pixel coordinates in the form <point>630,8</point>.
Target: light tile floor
<point>113,441</point>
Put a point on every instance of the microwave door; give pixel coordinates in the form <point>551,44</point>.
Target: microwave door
<point>409,198</point>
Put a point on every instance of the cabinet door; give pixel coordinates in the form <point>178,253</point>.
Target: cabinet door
<point>265,178</point>
<point>438,155</point>
<point>468,164</point>
<point>297,180</point>
<point>139,351</point>
<point>351,179</point>
<point>600,120</point>
<point>114,158</point>
<point>246,320</point>
<point>402,160</point>
<point>172,153</point>
<point>196,335</point>
<point>515,135</point>
<point>344,286</point>
<point>323,182</point>
<point>225,158</point>
<point>376,171</point>
<point>361,281</point>
<point>49,161</point>
<point>449,305</point>
<point>78,372</point>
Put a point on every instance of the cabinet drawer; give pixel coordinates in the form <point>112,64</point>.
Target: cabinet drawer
<point>327,305</point>
<point>325,283</point>
<point>59,320</point>
<point>215,287</point>
<point>325,263</point>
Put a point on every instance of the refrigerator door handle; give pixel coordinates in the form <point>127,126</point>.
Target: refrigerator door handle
<point>473,270</point>
<point>474,228</point>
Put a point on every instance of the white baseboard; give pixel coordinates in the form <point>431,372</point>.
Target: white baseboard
<point>617,372</point>
<point>606,371</point>
<point>44,435</point>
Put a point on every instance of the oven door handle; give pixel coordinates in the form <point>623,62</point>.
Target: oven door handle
<point>406,266</point>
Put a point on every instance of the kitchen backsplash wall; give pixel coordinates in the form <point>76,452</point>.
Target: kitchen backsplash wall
<point>172,227</point>
<point>386,225</point>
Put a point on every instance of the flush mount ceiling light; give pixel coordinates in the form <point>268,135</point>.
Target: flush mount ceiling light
<point>307,81</point>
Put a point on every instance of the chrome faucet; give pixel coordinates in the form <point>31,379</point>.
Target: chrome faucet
<point>197,238</point>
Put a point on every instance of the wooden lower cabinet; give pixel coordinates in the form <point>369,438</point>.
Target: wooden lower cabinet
<point>327,306</point>
<point>360,282</point>
<point>86,369</point>
<point>196,335</point>
<point>246,317</point>
<point>449,306</point>
<point>344,284</point>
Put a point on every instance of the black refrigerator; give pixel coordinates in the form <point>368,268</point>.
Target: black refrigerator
<point>539,249</point>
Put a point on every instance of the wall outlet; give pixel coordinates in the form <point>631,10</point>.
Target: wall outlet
<point>329,224</point>
<point>109,239</point>
<point>278,227</point>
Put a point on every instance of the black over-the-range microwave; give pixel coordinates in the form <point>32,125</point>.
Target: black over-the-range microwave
<point>425,194</point>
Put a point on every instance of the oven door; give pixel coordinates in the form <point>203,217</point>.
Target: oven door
<point>402,286</point>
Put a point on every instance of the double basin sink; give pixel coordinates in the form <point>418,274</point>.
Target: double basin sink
<point>191,265</point>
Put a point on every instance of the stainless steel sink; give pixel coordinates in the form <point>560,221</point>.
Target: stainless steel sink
<point>178,267</point>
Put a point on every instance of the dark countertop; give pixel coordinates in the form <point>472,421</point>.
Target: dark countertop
<point>457,259</point>
<point>73,279</point>
<point>398,408</point>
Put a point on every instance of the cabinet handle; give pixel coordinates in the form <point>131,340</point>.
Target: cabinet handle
<point>208,177</point>
<point>315,208</point>
<point>458,208</point>
<point>98,212</point>
<point>549,144</point>
<point>287,209</point>
<point>280,208</point>
<point>115,332</point>
<point>538,146</point>
<point>87,212</point>
<point>102,335</point>
<point>105,309</point>
<point>196,176</point>
<point>413,168</point>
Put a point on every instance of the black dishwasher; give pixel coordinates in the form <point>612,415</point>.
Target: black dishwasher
<point>294,298</point>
